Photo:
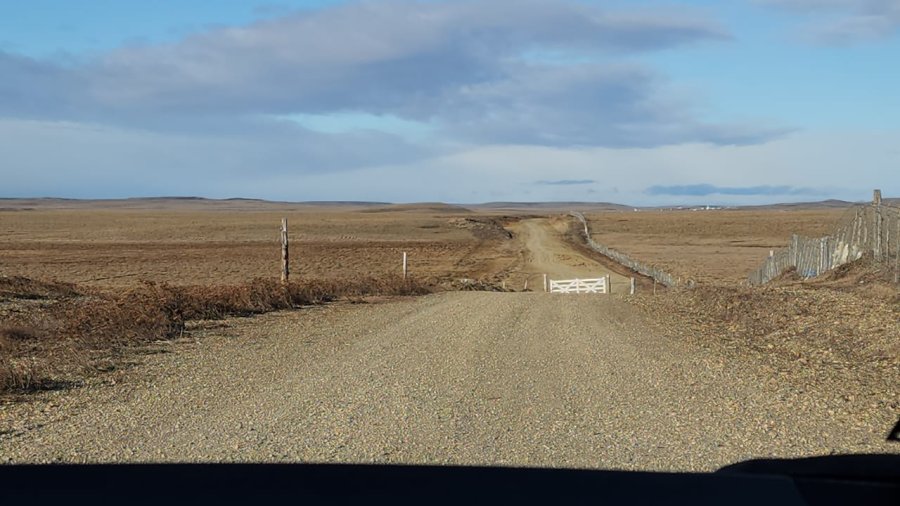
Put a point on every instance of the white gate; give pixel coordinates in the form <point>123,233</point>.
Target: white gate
<point>597,285</point>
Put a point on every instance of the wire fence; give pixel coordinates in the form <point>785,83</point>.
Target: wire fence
<point>651,271</point>
<point>871,229</point>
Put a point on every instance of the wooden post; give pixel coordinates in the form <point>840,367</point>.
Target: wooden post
<point>526,285</point>
<point>897,255</point>
<point>795,250</point>
<point>876,235</point>
<point>545,282</point>
<point>405,266</point>
<point>285,272</point>
<point>632,286</point>
<point>608,285</point>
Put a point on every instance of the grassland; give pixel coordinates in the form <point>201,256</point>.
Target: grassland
<point>118,248</point>
<point>190,243</point>
<point>112,277</point>
<point>719,246</point>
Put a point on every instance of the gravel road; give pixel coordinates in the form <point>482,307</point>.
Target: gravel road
<point>465,377</point>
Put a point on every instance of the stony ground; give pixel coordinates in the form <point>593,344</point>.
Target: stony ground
<point>464,377</point>
<point>467,378</point>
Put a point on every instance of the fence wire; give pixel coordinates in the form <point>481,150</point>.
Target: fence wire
<point>651,271</point>
<point>871,229</point>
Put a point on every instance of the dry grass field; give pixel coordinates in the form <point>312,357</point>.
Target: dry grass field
<point>159,264</point>
<point>719,246</point>
<point>210,243</point>
<point>139,282</point>
<point>120,247</point>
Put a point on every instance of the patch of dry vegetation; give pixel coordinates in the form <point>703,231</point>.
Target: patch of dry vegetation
<point>70,333</point>
<point>25,288</point>
<point>840,332</point>
<point>117,248</point>
<point>714,247</point>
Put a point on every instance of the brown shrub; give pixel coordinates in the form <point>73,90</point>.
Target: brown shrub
<point>17,287</point>
<point>833,328</point>
<point>16,373</point>
<point>102,325</point>
<point>16,333</point>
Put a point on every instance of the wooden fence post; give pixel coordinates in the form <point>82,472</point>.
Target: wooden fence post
<point>285,272</point>
<point>608,285</point>
<point>632,286</point>
<point>876,235</point>
<point>405,266</point>
<point>795,250</point>
<point>545,282</point>
<point>897,253</point>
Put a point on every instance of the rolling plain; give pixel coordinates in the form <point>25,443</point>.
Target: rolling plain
<point>478,371</point>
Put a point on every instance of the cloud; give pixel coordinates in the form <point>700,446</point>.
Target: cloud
<point>273,108</point>
<point>841,22</point>
<point>564,182</point>
<point>71,160</point>
<point>376,56</point>
<point>459,68</point>
<point>615,105</point>
<point>34,88</point>
<point>806,159</point>
<point>708,189</point>
<point>89,160</point>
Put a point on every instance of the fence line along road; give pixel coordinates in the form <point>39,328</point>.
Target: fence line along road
<point>867,229</point>
<point>648,270</point>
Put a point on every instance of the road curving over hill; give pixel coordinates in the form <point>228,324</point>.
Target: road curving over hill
<point>546,250</point>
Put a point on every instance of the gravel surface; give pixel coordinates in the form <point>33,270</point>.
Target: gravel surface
<point>465,378</point>
<point>477,378</point>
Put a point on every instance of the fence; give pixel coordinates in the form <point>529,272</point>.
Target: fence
<point>871,229</point>
<point>651,271</point>
<point>597,285</point>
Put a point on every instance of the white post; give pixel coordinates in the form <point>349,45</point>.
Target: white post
<point>632,286</point>
<point>545,282</point>
<point>405,270</point>
<point>526,285</point>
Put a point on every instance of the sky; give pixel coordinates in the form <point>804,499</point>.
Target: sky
<point>638,102</point>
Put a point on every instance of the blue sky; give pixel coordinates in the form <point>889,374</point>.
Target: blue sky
<point>643,102</point>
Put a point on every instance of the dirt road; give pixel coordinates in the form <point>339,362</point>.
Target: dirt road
<point>545,251</point>
<point>464,377</point>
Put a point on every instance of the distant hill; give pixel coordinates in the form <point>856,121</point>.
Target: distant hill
<point>427,207</point>
<point>239,203</point>
<point>554,206</point>
<point>821,204</point>
<point>149,203</point>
